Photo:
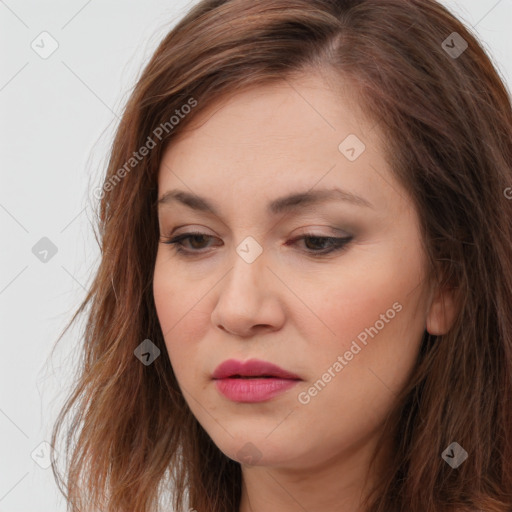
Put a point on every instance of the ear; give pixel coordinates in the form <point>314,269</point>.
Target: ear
<point>442,311</point>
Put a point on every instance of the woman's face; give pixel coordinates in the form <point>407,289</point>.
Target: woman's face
<point>347,322</point>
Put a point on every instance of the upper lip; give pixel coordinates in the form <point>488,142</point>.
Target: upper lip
<point>251,368</point>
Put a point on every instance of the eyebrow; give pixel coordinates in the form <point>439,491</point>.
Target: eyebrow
<point>279,205</point>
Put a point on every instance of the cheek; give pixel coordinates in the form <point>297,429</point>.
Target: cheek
<point>372,313</point>
<point>376,331</point>
<point>181,308</point>
<point>165,293</point>
<point>355,298</point>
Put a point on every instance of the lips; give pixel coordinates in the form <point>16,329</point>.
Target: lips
<point>253,368</point>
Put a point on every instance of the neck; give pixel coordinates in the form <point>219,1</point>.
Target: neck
<point>337,482</point>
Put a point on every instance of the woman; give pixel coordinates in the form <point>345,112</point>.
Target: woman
<point>304,300</point>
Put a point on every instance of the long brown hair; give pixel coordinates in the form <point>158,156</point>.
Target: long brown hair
<point>447,118</point>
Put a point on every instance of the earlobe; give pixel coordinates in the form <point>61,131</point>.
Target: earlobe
<point>442,312</point>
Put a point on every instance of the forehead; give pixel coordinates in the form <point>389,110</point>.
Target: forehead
<point>272,138</point>
<point>287,110</point>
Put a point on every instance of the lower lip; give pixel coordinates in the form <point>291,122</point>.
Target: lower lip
<point>253,390</point>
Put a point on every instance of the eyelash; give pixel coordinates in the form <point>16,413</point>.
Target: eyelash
<point>338,244</point>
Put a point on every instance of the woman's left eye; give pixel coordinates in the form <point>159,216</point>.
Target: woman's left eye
<point>333,243</point>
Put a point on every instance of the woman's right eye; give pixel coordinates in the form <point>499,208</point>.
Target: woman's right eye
<point>177,241</point>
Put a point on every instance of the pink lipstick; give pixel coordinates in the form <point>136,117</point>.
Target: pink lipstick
<point>253,380</point>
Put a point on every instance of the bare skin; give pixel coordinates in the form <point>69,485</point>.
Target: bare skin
<point>310,450</point>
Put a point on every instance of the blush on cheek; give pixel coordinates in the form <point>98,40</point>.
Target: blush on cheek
<point>163,306</point>
<point>348,313</point>
<point>166,293</point>
<point>183,322</point>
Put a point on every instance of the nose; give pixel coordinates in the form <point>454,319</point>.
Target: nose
<point>249,300</point>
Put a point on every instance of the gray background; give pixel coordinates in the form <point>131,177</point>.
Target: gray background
<point>58,116</point>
